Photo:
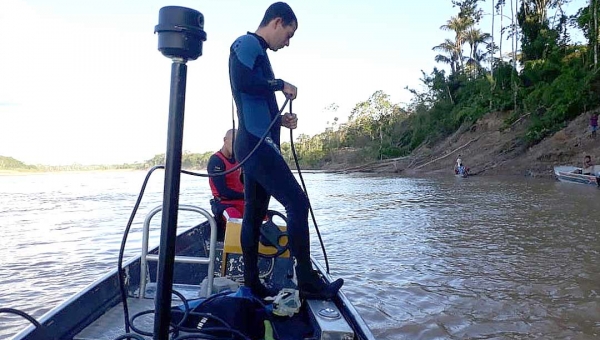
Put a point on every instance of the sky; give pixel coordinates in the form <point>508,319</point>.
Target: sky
<point>82,81</point>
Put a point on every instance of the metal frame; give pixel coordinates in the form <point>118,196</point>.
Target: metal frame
<point>210,260</point>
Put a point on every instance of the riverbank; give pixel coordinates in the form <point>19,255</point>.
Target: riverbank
<point>488,147</point>
<point>25,172</point>
<point>13,172</point>
<point>491,147</point>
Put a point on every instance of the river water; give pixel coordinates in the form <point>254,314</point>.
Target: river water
<point>423,258</point>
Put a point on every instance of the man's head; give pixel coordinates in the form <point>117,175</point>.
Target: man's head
<point>227,148</point>
<point>278,25</point>
<point>587,160</point>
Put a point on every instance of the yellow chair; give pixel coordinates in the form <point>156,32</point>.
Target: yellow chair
<point>232,244</point>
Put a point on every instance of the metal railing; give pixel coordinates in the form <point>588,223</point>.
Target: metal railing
<point>210,260</point>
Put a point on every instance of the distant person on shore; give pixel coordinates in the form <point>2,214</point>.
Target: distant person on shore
<point>594,124</point>
<point>228,190</point>
<point>588,167</point>
<point>458,166</point>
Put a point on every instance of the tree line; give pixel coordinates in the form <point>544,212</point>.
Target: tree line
<point>189,160</point>
<point>525,63</point>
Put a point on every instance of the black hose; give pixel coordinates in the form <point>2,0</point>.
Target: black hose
<point>233,128</point>
<point>21,314</point>
<point>224,328</point>
<point>176,328</point>
<point>121,274</point>
<point>203,336</point>
<point>139,200</point>
<point>29,318</point>
<point>129,336</point>
<point>262,138</point>
<point>293,148</point>
<point>150,311</point>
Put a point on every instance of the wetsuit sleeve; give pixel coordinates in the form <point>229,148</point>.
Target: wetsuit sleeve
<point>245,53</point>
<point>216,165</point>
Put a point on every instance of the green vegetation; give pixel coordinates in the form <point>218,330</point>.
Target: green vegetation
<point>372,130</point>
<point>188,161</point>
<point>546,83</point>
<point>9,163</point>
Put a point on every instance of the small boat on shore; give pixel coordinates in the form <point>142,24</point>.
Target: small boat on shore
<point>463,175</point>
<point>573,174</point>
<point>206,270</point>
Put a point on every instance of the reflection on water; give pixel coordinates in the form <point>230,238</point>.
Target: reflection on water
<point>423,258</point>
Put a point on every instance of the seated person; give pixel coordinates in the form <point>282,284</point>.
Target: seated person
<point>458,165</point>
<point>588,167</point>
<point>228,190</point>
<point>462,170</point>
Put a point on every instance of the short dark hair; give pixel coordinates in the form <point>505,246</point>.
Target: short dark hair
<point>279,10</point>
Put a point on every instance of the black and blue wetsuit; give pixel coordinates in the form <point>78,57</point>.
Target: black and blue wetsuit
<point>266,174</point>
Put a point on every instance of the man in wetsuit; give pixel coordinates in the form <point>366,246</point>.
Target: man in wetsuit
<point>228,190</point>
<point>266,174</point>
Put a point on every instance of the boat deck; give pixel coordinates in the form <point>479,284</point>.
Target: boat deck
<point>96,312</point>
<point>112,324</point>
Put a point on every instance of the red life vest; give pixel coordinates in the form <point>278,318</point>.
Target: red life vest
<point>232,180</point>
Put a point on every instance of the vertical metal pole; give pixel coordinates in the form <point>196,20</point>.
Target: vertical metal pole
<point>162,316</point>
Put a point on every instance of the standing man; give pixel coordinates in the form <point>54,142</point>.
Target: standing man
<point>266,174</point>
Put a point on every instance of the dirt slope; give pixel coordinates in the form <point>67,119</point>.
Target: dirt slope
<point>488,147</point>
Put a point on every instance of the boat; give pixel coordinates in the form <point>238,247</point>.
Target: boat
<point>201,267</point>
<point>463,175</point>
<point>203,264</point>
<point>572,174</point>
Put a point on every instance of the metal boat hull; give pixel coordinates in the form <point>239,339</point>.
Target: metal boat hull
<point>94,312</point>
<point>566,174</point>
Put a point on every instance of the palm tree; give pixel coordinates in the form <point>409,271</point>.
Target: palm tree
<point>453,54</point>
<point>474,36</point>
<point>459,25</point>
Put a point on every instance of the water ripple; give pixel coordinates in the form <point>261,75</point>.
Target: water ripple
<point>423,258</point>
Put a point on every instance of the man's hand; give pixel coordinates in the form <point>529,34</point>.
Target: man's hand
<point>290,91</point>
<point>289,120</point>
